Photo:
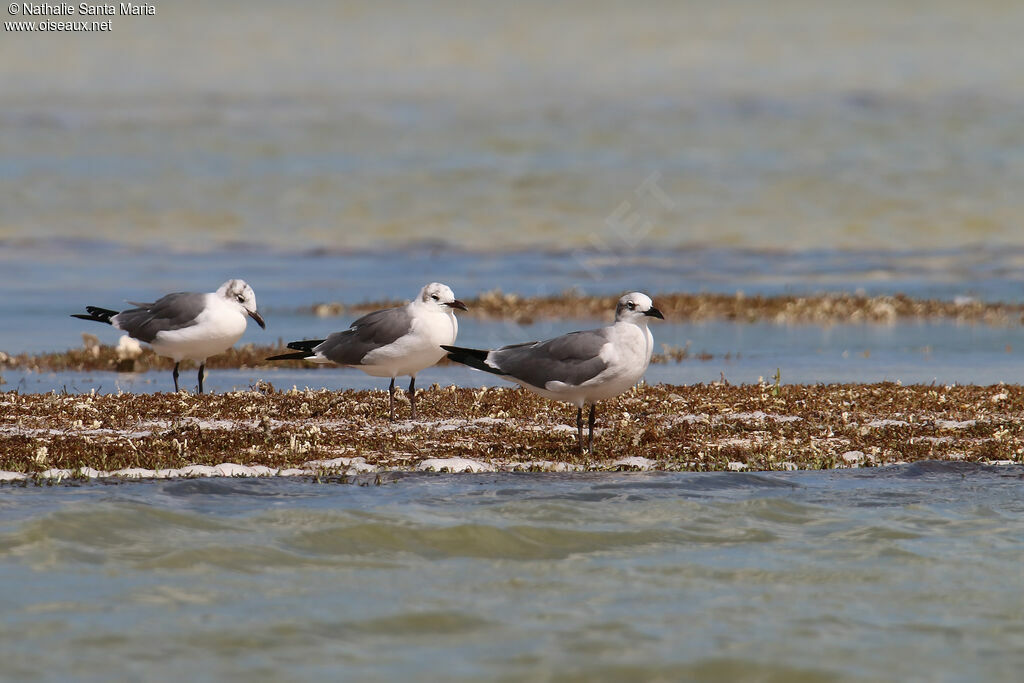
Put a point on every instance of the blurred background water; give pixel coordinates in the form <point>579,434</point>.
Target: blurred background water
<point>800,124</point>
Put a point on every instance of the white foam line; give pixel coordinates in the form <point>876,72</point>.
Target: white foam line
<point>455,465</point>
<point>634,463</point>
<point>358,465</point>
<point>543,466</point>
<point>228,469</point>
<point>348,466</point>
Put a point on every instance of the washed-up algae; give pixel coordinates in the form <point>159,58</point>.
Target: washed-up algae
<point>672,428</point>
<point>821,309</point>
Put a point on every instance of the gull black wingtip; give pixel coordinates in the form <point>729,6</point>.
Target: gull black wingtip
<point>258,318</point>
<point>306,345</point>
<point>654,313</point>
<point>96,314</point>
<point>301,355</point>
<point>474,358</point>
<point>304,350</point>
<point>458,304</point>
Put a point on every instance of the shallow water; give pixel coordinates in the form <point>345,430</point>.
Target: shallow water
<point>903,573</point>
<point>797,123</point>
<point>911,353</point>
<point>45,282</point>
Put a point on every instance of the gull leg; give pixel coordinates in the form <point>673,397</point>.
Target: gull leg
<point>175,376</point>
<point>202,372</point>
<point>391,405</point>
<point>579,430</point>
<point>412,394</point>
<point>593,418</point>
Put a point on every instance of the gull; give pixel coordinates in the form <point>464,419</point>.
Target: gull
<point>186,325</point>
<point>579,367</point>
<point>391,342</point>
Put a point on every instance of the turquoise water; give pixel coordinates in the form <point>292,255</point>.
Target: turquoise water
<point>907,573</point>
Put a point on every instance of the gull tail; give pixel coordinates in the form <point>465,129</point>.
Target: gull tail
<point>304,348</point>
<point>96,314</point>
<point>474,358</point>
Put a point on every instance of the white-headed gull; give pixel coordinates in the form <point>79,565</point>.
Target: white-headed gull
<point>579,367</point>
<point>391,342</point>
<point>186,325</point>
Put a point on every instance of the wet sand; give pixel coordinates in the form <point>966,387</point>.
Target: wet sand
<point>663,427</point>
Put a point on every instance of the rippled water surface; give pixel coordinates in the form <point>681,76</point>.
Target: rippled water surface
<point>796,122</point>
<point>44,283</point>
<point>918,353</point>
<point>904,573</point>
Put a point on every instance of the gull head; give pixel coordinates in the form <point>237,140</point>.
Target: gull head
<point>442,296</point>
<point>636,307</point>
<point>239,292</point>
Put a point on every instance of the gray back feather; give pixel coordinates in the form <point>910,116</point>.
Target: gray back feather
<point>572,358</point>
<point>171,312</point>
<point>366,334</point>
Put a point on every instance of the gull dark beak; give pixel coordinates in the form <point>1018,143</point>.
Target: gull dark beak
<point>654,313</point>
<point>255,315</point>
<point>457,304</point>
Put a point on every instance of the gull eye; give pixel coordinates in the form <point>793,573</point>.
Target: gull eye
<point>434,297</point>
<point>240,299</point>
<point>631,305</point>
